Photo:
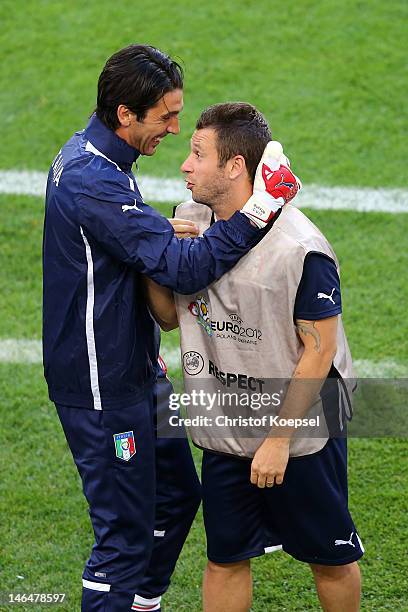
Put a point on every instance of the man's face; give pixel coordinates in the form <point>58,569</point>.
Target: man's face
<point>160,120</point>
<point>206,180</point>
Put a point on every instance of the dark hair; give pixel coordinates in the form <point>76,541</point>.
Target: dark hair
<point>241,130</point>
<point>136,76</point>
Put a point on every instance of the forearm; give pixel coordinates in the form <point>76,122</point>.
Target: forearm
<point>161,304</point>
<point>201,261</point>
<point>304,388</point>
<point>319,339</point>
<point>320,346</point>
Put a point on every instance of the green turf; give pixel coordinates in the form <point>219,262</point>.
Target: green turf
<point>328,75</point>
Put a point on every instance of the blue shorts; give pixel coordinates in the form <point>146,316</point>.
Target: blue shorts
<point>142,498</point>
<point>307,516</point>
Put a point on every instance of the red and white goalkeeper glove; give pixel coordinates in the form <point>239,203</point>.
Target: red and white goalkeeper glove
<point>274,185</point>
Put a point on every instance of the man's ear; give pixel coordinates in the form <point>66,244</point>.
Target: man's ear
<point>124,115</point>
<point>236,167</point>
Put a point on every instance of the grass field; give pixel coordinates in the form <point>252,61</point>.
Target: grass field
<point>330,78</point>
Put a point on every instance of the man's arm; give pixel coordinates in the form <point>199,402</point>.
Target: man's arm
<point>137,235</point>
<point>161,304</point>
<point>319,340</point>
<point>160,299</point>
<point>144,240</point>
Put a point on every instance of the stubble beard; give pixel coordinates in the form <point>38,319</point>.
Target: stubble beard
<point>213,195</point>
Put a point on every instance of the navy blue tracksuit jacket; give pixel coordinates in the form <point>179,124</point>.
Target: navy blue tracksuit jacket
<point>99,340</point>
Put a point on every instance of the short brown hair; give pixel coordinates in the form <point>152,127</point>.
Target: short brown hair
<point>241,130</point>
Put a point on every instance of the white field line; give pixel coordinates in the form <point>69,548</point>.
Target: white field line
<point>363,199</point>
<point>20,351</point>
<point>30,351</point>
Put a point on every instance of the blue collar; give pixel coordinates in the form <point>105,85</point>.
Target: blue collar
<point>107,142</point>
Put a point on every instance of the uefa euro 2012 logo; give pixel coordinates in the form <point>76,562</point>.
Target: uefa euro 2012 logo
<point>200,309</point>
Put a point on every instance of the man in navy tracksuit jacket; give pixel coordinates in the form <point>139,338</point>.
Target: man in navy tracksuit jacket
<point>101,343</point>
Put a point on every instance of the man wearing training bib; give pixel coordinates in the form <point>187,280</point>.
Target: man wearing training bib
<point>275,317</point>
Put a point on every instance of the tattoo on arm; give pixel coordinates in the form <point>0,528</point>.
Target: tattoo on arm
<point>309,328</point>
